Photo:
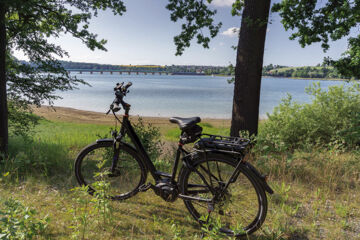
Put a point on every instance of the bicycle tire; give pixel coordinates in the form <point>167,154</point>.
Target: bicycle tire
<point>94,161</point>
<point>244,185</point>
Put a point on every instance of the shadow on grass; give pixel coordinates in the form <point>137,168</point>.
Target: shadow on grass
<point>48,162</point>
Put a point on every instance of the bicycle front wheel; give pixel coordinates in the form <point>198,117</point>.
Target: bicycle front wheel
<point>92,169</point>
<point>238,210</point>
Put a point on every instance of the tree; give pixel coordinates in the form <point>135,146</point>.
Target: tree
<point>322,21</point>
<point>250,51</point>
<point>310,22</point>
<point>26,25</point>
<point>248,69</point>
<point>3,99</point>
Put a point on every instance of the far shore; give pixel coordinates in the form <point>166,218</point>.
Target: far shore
<point>66,114</point>
<point>297,78</point>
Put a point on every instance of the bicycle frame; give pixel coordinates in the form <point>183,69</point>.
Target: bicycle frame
<point>126,128</point>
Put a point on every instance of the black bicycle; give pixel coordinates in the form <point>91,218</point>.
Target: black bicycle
<point>214,181</point>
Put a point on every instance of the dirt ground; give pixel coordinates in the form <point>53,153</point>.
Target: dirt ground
<point>81,116</point>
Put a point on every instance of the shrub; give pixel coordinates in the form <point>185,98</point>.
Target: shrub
<point>332,119</point>
<point>20,222</point>
<point>149,137</point>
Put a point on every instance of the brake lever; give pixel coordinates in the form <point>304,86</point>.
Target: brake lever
<point>111,108</point>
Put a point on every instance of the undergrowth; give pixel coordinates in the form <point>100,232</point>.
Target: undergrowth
<point>331,120</point>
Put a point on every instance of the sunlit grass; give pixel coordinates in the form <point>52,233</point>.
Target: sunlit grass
<point>316,193</point>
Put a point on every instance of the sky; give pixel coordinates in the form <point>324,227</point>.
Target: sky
<point>144,35</point>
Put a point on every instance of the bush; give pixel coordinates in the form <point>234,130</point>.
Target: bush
<point>149,137</point>
<point>332,119</point>
<point>20,222</point>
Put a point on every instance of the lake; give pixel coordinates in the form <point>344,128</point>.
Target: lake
<point>183,96</point>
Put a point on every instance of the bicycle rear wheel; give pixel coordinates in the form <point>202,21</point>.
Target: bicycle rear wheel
<point>242,208</point>
<point>93,164</point>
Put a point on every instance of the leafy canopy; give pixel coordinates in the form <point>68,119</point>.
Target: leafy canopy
<point>324,21</point>
<point>29,24</point>
<point>197,16</point>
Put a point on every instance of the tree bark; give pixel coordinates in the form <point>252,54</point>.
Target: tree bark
<point>3,96</point>
<point>249,62</point>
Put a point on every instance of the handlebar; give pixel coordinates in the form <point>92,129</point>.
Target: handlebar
<point>120,93</point>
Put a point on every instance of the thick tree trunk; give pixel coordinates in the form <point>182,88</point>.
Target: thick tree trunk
<point>3,98</point>
<point>249,61</point>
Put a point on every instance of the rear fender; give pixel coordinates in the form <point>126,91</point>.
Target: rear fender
<point>261,179</point>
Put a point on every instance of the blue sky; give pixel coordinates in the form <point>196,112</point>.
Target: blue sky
<point>144,35</point>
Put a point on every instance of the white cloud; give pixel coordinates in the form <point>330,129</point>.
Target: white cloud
<point>222,3</point>
<point>231,32</point>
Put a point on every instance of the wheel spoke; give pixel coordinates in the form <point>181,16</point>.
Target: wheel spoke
<point>238,206</point>
<point>94,165</point>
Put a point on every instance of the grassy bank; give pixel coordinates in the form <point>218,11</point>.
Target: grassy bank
<point>316,192</point>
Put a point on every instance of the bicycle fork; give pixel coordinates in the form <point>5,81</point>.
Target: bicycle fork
<point>116,147</point>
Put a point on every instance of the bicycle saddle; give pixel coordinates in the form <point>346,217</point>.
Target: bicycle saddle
<point>185,123</point>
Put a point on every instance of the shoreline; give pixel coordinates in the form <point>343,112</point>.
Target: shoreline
<point>296,78</point>
<point>313,79</point>
<point>67,114</point>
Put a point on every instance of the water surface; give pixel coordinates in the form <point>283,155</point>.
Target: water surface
<point>184,96</point>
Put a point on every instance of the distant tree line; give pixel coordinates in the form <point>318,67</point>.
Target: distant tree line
<point>172,68</point>
<point>319,71</point>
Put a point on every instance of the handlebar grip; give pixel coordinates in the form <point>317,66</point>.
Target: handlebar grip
<point>116,107</point>
<point>128,85</point>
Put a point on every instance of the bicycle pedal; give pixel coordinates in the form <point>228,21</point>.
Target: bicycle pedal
<point>144,187</point>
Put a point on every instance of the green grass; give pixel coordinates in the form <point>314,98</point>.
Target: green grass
<point>317,193</point>
<point>51,150</point>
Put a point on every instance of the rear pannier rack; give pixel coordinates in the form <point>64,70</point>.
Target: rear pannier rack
<point>222,143</point>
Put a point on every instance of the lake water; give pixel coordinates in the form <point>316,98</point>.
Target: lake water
<point>183,96</point>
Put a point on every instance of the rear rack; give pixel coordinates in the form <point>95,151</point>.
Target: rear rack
<point>222,143</point>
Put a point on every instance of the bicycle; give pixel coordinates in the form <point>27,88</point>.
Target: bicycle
<point>215,180</point>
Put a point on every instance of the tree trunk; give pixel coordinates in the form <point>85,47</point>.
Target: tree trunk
<point>249,61</point>
<point>3,96</point>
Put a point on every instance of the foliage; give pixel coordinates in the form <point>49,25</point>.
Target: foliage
<point>29,24</point>
<point>21,120</point>
<point>324,21</point>
<point>150,138</point>
<point>197,16</point>
<point>100,198</point>
<point>332,119</point>
<point>81,212</point>
<point>302,72</point>
<point>20,222</point>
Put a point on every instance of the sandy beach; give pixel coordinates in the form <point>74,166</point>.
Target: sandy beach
<point>80,116</point>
